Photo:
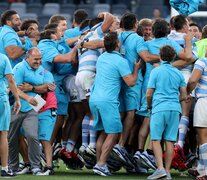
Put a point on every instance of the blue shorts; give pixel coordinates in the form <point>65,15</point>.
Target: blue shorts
<point>143,111</point>
<point>62,101</point>
<point>46,125</point>
<point>5,113</point>
<point>130,97</point>
<point>164,125</point>
<point>106,117</point>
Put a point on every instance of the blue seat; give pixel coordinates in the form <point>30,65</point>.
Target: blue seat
<point>101,8</point>
<point>67,8</point>
<point>34,8</point>
<point>20,8</point>
<point>51,9</point>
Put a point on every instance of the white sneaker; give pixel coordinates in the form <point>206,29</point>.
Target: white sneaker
<point>148,160</point>
<point>82,149</point>
<point>91,151</point>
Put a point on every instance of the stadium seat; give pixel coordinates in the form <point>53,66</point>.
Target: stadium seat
<point>34,8</point>
<point>51,9</point>
<point>118,9</point>
<point>29,16</point>
<point>88,8</point>
<point>43,20</point>
<point>3,7</point>
<point>19,7</point>
<point>146,11</point>
<point>67,8</point>
<point>101,8</point>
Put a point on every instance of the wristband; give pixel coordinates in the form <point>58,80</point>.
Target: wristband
<point>33,88</point>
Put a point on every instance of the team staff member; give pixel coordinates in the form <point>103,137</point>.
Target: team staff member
<point>5,115</point>
<point>111,68</point>
<point>27,71</point>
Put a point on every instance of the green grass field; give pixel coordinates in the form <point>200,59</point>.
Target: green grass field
<point>85,174</point>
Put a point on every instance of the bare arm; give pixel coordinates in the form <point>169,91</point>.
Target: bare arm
<point>150,58</point>
<point>182,63</point>
<point>108,20</point>
<point>13,88</point>
<point>27,98</point>
<point>131,79</point>
<point>68,57</point>
<point>14,52</point>
<point>183,93</point>
<point>93,44</point>
<point>71,41</point>
<point>195,77</point>
<point>26,87</point>
<point>186,53</point>
<point>149,95</point>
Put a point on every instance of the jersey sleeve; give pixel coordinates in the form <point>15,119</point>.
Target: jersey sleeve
<point>10,39</point>
<point>8,68</point>
<point>200,64</point>
<point>19,73</point>
<point>152,79</point>
<point>124,68</point>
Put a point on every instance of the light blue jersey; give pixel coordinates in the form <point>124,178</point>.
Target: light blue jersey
<point>88,57</point>
<point>201,88</point>
<point>9,37</point>
<point>24,73</point>
<point>179,38</point>
<point>166,81</point>
<point>111,67</point>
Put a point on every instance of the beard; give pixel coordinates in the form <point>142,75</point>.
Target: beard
<point>16,28</point>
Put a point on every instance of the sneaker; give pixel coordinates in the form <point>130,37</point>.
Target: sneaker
<point>37,172</point>
<point>168,176</point>
<point>119,153</point>
<point>101,170</point>
<point>191,159</point>
<point>91,151</point>
<point>178,162</point>
<point>148,160</point>
<point>82,149</point>
<point>159,173</point>
<point>56,150</point>
<point>24,168</point>
<point>136,158</point>
<point>7,174</point>
<point>179,150</point>
<point>113,165</point>
<point>48,171</point>
<point>137,169</point>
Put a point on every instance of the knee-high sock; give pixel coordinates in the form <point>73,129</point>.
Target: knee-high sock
<point>92,135</point>
<point>85,130</point>
<point>183,127</point>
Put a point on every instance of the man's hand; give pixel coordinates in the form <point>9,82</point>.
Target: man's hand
<point>17,106</point>
<point>51,86</point>
<point>138,64</point>
<point>31,100</point>
<point>25,87</point>
<point>188,37</point>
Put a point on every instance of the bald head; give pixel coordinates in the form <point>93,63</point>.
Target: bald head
<point>34,58</point>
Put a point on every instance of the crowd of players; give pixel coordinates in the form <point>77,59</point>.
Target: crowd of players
<point>109,84</point>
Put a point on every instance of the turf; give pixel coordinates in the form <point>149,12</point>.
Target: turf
<point>63,174</point>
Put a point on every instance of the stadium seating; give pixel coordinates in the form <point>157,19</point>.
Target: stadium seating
<point>3,7</point>
<point>67,8</point>
<point>19,7</point>
<point>29,16</point>
<point>101,8</point>
<point>34,8</point>
<point>51,9</point>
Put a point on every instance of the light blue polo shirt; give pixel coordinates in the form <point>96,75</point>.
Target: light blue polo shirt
<point>166,81</point>
<point>49,50</point>
<point>9,37</point>
<point>5,68</point>
<point>24,73</point>
<point>66,47</point>
<point>48,77</point>
<point>111,67</point>
<point>73,32</point>
<point>133,45</point>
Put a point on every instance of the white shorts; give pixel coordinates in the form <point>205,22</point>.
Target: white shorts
<point>71,89</point>
<point>84,81</point>
<point>200,113</point>
<point>186,75</point>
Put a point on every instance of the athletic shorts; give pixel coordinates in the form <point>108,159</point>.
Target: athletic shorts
<point>5,113</point>
<point>164,125</point>
<point>71,89</point>
<point>200,113</point>
<point>62,101</point>
<point>46,124</point>
<point>84,81</point>
<point>106,117</point>
<point>130,98</point>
